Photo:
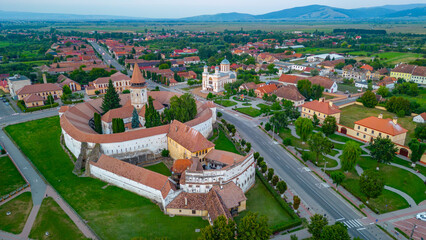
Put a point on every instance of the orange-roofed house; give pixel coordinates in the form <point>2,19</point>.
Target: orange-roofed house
<point>267,89</point>
<point>120,81</point>
<point>321,108</point>
<point>33,100</point>
<point>42,90</point>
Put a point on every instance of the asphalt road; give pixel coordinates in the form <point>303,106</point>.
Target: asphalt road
<point>5,110</point>
<point>108,59</point>
<point>319,198</point>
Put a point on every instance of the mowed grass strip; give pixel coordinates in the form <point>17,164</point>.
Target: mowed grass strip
<point>223,143</point>
<point>226,103</point>
<point>10,178</point>
<point>160,168</point>
<point>113,213</point>
<point>20,208</point>
<point>252,112</point>
<point>53,220</point>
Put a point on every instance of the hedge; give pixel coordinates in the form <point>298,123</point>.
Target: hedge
<point>72,102</point>
<point>286,225</point>
<point>33,109</point>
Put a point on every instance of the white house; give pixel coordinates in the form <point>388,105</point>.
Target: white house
<point>421,118</point>
<point>322,57</point>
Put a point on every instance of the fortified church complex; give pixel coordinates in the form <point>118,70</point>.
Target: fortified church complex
<point>205,182</point>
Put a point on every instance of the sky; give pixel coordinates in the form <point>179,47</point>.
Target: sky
<point>177,8</point>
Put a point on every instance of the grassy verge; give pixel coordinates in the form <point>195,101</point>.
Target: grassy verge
<point>402,233</point>
<point>52,219</point>
<point>159,168</point>
<point>10,178</point>
<point>111,212</point>
<point>20,208</point>
<point>252,112</point>
<point>225,103</point>
<point>407,164</point>
<point>223,143</point>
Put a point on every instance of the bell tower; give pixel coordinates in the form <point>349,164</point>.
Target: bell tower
<point>138,91</point>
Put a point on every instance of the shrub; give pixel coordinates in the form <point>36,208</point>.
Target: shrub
<point>275,180</point>
<point>267,126</point>
<point>281,186</point>
<point>125,91</point>
<point>165,153</point>
<point>259,160</point>
<point>219,114</point>
<point>400,113</point>
<point>306,156</point>
<point>287,141</point>
<point>270,173</point>
<point>264,168</point>
<point>3,151</point>
<point>256,155</point>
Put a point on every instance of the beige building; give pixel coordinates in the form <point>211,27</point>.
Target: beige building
<point>33,100</point>
<point>42,90</point>
<point>120,81</point>
<point>322,109</point>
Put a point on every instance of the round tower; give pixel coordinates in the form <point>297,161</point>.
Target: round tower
<point>225,65</point>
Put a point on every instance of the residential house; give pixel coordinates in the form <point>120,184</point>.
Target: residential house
<point>42,90</point>
<point>322,109</point>
<point>120,81</point>
<point>33,100</point>
<point>330,64</point>
<point>328,84</point>
<point>187,75</point>
<point>191,60</point>
<point>388,82</point>
<point>267,89</point>
<point>290,93</point>
<point>351,72</point>
<point>4,86</point>
<point>421,118</point>
<point>250,85</point>
<point>322,57</point>
<point>377,75</point>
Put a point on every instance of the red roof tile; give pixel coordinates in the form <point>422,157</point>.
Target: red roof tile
<point>322,107</point>
<point>382,125</point>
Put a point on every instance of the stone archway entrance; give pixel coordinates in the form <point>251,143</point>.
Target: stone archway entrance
<point>343,130</point>
<point>403,152</point>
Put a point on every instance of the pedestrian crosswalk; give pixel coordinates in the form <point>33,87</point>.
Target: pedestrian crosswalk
<point>354,223</point>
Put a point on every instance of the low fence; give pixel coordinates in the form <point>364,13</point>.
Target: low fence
<point>14,192</point>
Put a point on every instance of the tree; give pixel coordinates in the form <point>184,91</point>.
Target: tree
<point>221,229</point>
<point>317,91</point>
<point>111,98</point>
<point>398,104</point>
<point>50,99</point>
<point>315,120</point>
<point>420,131</point>
<point>383,91</point>
<point>267,126</point>
<point>371,183</point>
<point>369,99</point>
<point>338,231</point>
<point>337,177</point>
<point>135,119</point>
<point>329,125</point>
<point>315,227</point>
<point>97,122</point>
<point>279,120</point>
<point>350,155</point>
<point>293,237</point>
<point>183,108</point>
<point>66,90</point>
<point>304,127</point>
<point>319,144</point>
<point>275,180</point>
<point>253,226</point>
<point>270,173</point>
<point>417,149</point>
<point>210,96</point>
<point>314,72</point>
<point>382,150</point>
<point>117,125</point>
<point>152,117</point>
<point>256,155</point>
<point>165,153</point>
<point>304,87</point>
<point>281,186</point>
<point>296,202</point>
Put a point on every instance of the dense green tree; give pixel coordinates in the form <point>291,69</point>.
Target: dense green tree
<point>369,99</point>
<point>222,229</point>
<point>305,88</point>
<point>50,100</point>
<point>338,231</point>
<point>253,226</point>
<point>398,104</point>
<point>135,119</point>
<point>281,186</point>
<point>183,108</point>
<point>296,202</point>
<point>97,122</point>
<point>383,91</point>
<point>270,173</point>
<point>337,177</point>
<point>317,224</point>
<point>420,131</point>
<point>351,154</point>
<point>66,90</point>
<point>275,180</point>
<point>314,72</point>
<point>152,117</point>
<point>329,125</point>
<point>111,98</point>
<point>117,125</point>
<point>417,149</point>
<point>315,120</point>
<point>317,91</point>
<point>304,127</point>
<point>383,150</point>
<point>279,120</point>
<point>320,145</point>
<point>371,183</point>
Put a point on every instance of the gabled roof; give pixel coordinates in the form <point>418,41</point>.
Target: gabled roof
<point>134,173</point>
<point>289,92</point>
<point>118,76</point>
<point>290,78</point>
<point>382,125</point>
<point>38,88</point>
<point>367,67</point>
<point>180,165</point>
<point>123,112</point>
<point>325,82</point>
<point>224,157</point>
<point>33,98</point>
<point>230,194</point>
<point>267,88</point>
<point>322,107</point>
<point>188,137</point>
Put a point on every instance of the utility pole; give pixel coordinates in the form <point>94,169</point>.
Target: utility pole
<point>412,231</point>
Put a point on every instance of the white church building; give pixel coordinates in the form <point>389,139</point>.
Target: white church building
<point>215,82</point>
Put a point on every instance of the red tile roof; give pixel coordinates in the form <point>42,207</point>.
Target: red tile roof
<point>382,125</point>
<point>118,76</point>
<point>267,88</point>
<point>290,78</point>
<point>181,165</point>
<point>289,92</point>
<point>367,67</point>
<point>137,77</point>
<point>123,112</point>
<point>322,107</point>
<point>230,194</point>
<point>188,137</point>
<point>224,157</point>
<point>38,88</point>
<point>33,98</point>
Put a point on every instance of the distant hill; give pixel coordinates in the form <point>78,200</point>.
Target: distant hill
<point>305,13</point>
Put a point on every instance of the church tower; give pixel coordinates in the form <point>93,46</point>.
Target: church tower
<point>138,91</point>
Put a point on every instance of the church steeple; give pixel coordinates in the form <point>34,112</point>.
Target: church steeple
<point>138,92</point>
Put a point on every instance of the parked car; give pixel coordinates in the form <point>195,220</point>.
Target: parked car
<point>421,216</point>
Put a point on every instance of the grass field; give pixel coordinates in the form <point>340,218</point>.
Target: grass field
<point>353,113</point>
<point>226,103</point>
<point>52,219</point>
<point>389,57</point>
<point>223,143</point>
<point>261,201</point>
<point>113,213</point>
<point>346,87</point>
<point>159,168</point>
<point>10,178</point>
<point>20,208</point>
<point>252,112</point>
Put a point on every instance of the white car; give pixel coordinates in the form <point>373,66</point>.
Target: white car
<point>421,216</point>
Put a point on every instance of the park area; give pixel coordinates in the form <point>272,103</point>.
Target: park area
<point>160,168</point>
<point>353,113</point>
<point>250,111</point>
<point>19,208</point>
<point>10,178</point>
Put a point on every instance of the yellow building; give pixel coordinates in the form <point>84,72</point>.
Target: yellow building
<point>403,71</point>
<point>184,142</point>
<point>322,109</point>
<point>33,100</point>
<point>42,90</point>
<point>120,81</point>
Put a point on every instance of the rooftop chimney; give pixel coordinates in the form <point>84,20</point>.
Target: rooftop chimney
<point>395,120</point>
<point>44,78</point>
<point>321,99</point>
<point>186,201</point>
<point>380,116</point>
<point>330,103</point>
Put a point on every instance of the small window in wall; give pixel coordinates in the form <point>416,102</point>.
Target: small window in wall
<point>380,134</point>
<point>358,127</point>
<point>357,134</point>
<point>364,135</point>
<point>372,131</point>
<point>193,211</point>
<point>365,129</point>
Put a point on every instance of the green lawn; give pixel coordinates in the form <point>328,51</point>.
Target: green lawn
<point>226,103</point>
<point>52,219</point>
<point>113,213</point>
<point>214,135</point>
<point>237,98</point>
<point>223,143</point>
<point>405,163</point>
<point>20,208</point>
<point>398,178</point>
<point>263,107</point>
<point>353,113</point>
<point>10,178</point>
<point>296,142</point>
<point>347,87</point>
<point>388,57</point>
<point>159,168</point>
<point>387,202</point>
<point>252,112</point>
<point>260,200</point>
